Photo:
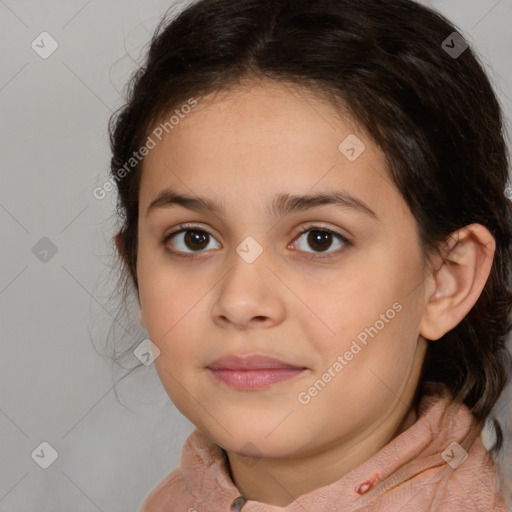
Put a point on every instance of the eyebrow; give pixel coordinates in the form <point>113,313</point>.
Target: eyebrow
<point>281,205</point>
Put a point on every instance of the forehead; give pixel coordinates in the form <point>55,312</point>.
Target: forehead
<point>248,143</point>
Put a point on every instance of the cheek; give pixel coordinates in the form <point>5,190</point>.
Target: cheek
<point>350,300</point>
<point>174,311</point>
<point>172,319</point>
<point>168,297</point>
<point>370,375</point>
<point>369,311</point>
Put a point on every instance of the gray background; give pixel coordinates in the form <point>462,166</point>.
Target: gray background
<point>55,386</point>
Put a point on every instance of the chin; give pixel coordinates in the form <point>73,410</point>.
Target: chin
<point>254,443</point>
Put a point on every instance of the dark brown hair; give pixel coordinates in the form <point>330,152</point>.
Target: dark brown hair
<point>434,115</point>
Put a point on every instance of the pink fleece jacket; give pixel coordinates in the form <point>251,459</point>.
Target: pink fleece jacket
<point>438,464</point>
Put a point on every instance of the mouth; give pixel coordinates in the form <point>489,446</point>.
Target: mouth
<point>252,372</point>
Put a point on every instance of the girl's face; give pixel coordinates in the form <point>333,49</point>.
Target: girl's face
<point>347,307</point>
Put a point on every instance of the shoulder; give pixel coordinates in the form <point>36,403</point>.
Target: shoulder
<point>201,475</point>
<point>171,489</point>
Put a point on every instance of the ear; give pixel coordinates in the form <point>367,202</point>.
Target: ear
<point>454,287</point>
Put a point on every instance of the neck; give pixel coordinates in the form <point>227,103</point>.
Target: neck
<point>280,481</point>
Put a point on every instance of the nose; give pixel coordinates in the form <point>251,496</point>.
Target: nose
<point>249,296</point>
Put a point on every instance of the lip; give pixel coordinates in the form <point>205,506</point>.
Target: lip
<point>250,362</point>
<point>252,372</point>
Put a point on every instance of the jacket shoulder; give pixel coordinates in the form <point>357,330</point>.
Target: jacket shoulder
<point>170,490</point>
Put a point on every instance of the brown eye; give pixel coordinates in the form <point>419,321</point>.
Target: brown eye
<point>195,239</point>
<point>188,241</point>
<point>321,239</point>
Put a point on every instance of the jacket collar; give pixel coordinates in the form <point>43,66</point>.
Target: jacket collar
<point>444,432</point>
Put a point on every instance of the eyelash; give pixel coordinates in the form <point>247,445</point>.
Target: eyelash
<point>191,227</point>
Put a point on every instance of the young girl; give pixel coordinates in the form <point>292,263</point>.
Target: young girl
<point>315,220</point>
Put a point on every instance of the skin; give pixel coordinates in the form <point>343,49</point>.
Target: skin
<point>294,302</point>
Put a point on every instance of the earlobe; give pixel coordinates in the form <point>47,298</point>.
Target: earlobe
<point>458,281</point>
